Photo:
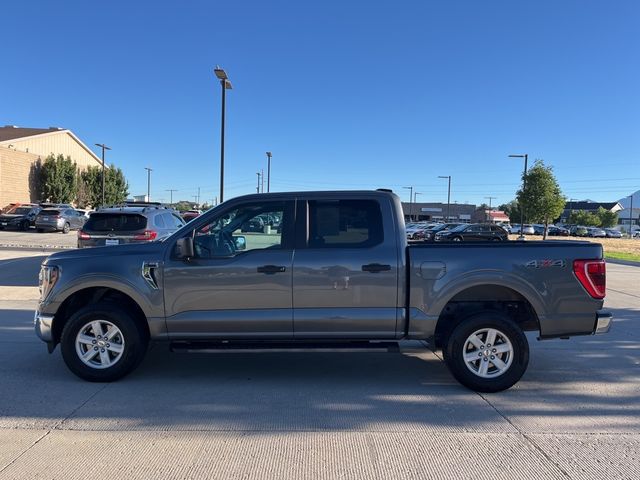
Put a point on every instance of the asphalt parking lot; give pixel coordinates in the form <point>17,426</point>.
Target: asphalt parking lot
<point>575,413</point>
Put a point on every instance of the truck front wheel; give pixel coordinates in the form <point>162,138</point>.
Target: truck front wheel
<point>487,352</point>
<point>102,343</point>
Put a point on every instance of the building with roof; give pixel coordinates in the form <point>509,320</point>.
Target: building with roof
<point>490,216</point>
<point>587,206</point>
<point>22,148</point>
<point>437,212</point>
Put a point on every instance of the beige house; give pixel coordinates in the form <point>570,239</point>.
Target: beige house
<point>22,148</point>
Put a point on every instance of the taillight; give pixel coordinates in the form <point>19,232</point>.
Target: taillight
<point>592,274</point>
<point>147,235</point>
<point>83,235</point>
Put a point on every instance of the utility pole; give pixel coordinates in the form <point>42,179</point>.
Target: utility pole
<point>149,170</point>
<point>268,172</point>
<point>171,190</point>
<point>104,147</point>
<point>262,180</point>
<point>415,200</point>
<point>490,198</point>
<point>198,196</point>
<point>631,217</point>
<point>448,194</point>
<point>410,202</point>
<point>258,187</point>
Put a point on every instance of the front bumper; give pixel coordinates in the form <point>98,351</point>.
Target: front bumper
<point>43,325</point>
<point>603,322</point>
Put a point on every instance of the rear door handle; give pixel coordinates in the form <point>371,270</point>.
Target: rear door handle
<point>271,269</point>
<point>375,268</point>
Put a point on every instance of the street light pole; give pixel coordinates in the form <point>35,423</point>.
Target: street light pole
<point>258,187</point>
<point>631,217</point>
<point>226,85</point>
<point>149,170</point>
<point>410,202</point>
<point>524,186</point>
<point>268,172</point>
<point>415,199</point>
<point>448,177</point>
<point>104,147</point>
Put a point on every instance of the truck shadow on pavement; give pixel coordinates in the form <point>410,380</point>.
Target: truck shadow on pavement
<point>20,272</point>
<point>584,385</point>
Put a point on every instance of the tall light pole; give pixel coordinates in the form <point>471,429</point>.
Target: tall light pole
<point>258,187</point>
<point>631,217</point>
<point>269,171</point>
<point>524,186</point>
<point>415,199</point>
<point>448,194</point>
<point>410,202</point>
<point>226,85</point>
<point>171,190</point>
<point>149,170</point>
<point>104,147</point>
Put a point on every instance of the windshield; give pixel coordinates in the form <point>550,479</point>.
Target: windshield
<point>19,211</point>
<point>459,228</point>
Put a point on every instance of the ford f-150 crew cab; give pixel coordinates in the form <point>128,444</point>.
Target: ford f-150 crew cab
<point>324,269</point>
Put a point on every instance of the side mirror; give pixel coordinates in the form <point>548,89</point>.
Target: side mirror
<point>184,248</point>
<point>240,242</point>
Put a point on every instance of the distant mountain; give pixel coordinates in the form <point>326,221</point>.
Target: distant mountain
<point>626,201</point>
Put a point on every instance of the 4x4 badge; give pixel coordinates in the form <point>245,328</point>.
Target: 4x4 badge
<point>545,263</point>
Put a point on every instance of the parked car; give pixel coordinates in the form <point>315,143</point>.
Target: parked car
<point>596,232</point>
<point>538,229</point>
<point>85,213</point>
<point>190,215</point>
<point>527,229</point>
<point>20,217</point>
<point>440,227</point>
<point>59,220</point>
<point>556,231</point>
<point>418,231</point>
<point>579,231</point>
<point>128,224</point>
<point>473,232</point>
<point>613,233</point>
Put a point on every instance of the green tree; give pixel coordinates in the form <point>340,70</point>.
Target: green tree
<point>58,179</point>
<point>183,205</point>
<point>542,199</point>
<point>587,219</point>
<point>116,188</point>
<point>607,218</point>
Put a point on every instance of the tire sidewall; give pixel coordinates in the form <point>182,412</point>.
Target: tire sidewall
<point>134,342</point>
<point>455,349</point>
<point>66,228</point>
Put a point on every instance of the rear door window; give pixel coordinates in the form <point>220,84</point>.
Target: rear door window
<point>115,222</point>
<point>345,224</point>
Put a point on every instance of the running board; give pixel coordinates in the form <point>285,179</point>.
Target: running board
<point>294,346</point>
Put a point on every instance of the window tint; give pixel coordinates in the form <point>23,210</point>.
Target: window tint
<point>50,212</point>
<point>158,221</point>
<point>171,220</point>
<point>248,227</point>
<point>344,223</point>
<point>118,222</point>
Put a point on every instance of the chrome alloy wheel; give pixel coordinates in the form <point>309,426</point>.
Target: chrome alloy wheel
<point>99,344</point>
<point>488,353</point>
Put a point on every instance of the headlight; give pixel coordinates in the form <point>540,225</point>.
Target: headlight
<point>48,277</point>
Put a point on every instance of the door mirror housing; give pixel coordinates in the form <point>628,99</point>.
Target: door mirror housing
<point>184,248</point>
<point>240,242</point>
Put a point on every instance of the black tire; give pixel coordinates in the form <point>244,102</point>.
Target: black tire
<point>40,230</point>
<point>517,359</point>
<point>24,226</point>
<point>66,228</point>
<point>133,337</point>
<point>456,239</point>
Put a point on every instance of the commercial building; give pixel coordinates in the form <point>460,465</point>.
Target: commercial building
<point>438,212</point>
<point>22,148</point>
<point>587,206</point>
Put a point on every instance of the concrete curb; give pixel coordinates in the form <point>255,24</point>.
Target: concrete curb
<point>43,248</point>
<point>618,261</point>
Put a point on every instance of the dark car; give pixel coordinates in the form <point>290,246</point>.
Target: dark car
<point>441,227</point>
<point>59,220</point>
<point>190,215</point>
<point>128,224</point>
<point>20,217</point>
<point>473,232</point>
<point>556,231</point>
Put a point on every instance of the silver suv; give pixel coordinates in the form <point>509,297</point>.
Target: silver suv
<point>128,224</point>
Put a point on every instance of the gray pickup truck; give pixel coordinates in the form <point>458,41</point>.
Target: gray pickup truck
<point>318,269</point>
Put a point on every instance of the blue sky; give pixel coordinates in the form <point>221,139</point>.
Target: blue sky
<point>346,94</point>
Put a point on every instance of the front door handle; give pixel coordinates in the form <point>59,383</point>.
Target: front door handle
<point>271,269</point>
<point>376,267</point>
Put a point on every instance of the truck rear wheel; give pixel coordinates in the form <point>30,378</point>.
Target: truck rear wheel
<point>102,343</point>
<point>487,352</point>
